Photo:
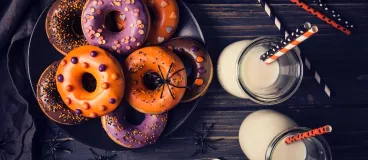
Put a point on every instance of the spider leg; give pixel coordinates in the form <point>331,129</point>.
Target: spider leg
<point>176,73</point>
<point>94,154</point>
<point>111,157</point>
<point>162,92</point>
<point>172,95</point>
<point>216,140</point>
<point>162,75</point>
<point>168,72</point>
<point>176,86</point>
<point>208,130</point>
<point>196,151</point>
<point>53,156</point>
<point>213,147</point>
<point>4,135</point>
<point>65,150</point>
<point>204,126</point>
<point>202,147</point>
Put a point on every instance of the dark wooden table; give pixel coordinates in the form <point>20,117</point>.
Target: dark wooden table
<point>341,60</point>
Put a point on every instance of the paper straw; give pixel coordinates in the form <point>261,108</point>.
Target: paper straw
<point>304,58</point>
<point>308,8</point>
<point>333,14</point>
<point>309,134</point>
<point>297,33</point>
<point>292,44</point>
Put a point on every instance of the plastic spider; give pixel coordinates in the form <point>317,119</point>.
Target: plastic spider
<point>160,80</point>
<point>55,145</point>
<point>202,141</point>
<point>100,157</point>
<point>3,151</point>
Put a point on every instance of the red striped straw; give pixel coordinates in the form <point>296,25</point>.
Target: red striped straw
<point>309,134</point>
<point>292,44</point>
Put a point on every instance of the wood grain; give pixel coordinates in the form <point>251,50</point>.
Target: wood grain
<point>340,59</point>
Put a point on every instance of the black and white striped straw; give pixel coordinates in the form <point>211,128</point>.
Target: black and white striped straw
<point>333,14</point>
<point>286,34</point>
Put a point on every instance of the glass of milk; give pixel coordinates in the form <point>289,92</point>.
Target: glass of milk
<point>262,137</point>
<point>243,74</point>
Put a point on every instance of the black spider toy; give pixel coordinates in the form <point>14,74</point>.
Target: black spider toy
<point>55,145</point>
<point>202,141</point>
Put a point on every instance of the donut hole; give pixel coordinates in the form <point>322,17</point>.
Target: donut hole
<point>153,16</point>
<point>115,21</point>
<point>134,117</point>
<point>190,67</point>
<point>77,26</point>
<point>89,82</point>
<point>149,80</point>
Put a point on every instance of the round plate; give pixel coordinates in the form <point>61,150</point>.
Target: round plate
<point>41,54</point>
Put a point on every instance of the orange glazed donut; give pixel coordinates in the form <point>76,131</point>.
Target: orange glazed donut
<point>109,79</point>
<point>165,19</point>
<point>156,80</point>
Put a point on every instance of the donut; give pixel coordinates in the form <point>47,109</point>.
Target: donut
<point>198,65</point>
<point>50,101</point>
<point>165,20</point>
<point>133,136</point>
<point>156,80</point>
<point>135,16</point>
<point>109,81</point>
<point>63,27</point>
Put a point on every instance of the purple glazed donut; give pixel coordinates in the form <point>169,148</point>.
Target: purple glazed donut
<point>133,13</point>
<point>133,136</point>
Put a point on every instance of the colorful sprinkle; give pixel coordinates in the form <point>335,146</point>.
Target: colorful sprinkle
<point>74,60</point>
<point>114,76</point>
<point>173,15</point>
<point>78,111</point>
<point>198,82</point>
<point>102,68</point>
<point>112,101</point>
<point>160,39</point>
<point>85,65</point>
<point>102,108</point>
<point>199,59</point>
<point>85,106</point>
<point>68,101</point>
<point>194,49</point>
<point>68,88</point>
<point>169,29</point>
<point>164,4</point>
<point>105,85</point>
<point>201,70</point>
<point>60,78</point>
<point>93,54</point>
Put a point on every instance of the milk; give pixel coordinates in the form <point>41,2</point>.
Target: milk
<point>260,128</point>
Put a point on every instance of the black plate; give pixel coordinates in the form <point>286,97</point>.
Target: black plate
<point>41,54</point>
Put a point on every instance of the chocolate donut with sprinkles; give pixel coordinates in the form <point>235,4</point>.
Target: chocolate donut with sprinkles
<point>133,136</point>
<point>104,68</point>
<point>50,101</point>
<point>63,26</point>
<point>198,65</point>
<point>156,80</point>
<point>134,15</point>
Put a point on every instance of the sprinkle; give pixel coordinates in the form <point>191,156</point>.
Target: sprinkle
<point>198,82</point>
<point>199,59</point>
<point>126,9</point>
<point>93,54</point>
<point>97,34</point>
<point>139,22</point>
<point>114,76</point>
<point>141,32</point>
<point>92,31</point>
<point>112,101</point>
<point>160,39</point>
<point>164,4</point>
<point>87,30</point>
<point>126,42</point>
<point>89,27</point>
<point>138,44</point>
<point>86,106</point>
<point>94,2</point>
<point>113,47</point>
<point>91,17</point>
<point>194,49</point>
<point>136,10</point>
<point>118,51</point>
<point>122,17</point>
<point>136,14</point>
<point>103,41</point>
<point>171,48</point>
<point>173,15</point>
<point>85,65</point>
<point>84,20</point>
<point>102,68</point>
<point>131,24</point>
<point>60,78</point>
<point>99,42</point>
<point>92,10</point>
<point>99,2</point>
<point>116,42</point>
<point>105,85</point>
<point>118,45</point>
<point>169,29</point>
<point>98,11</point>
<point>68,101</point>
<point>102,108</point>
<point>99,30</point>
<point>63,62</point>
<point>78,111</point>
<point>201,70</point>
<point>74,60</point>
<point>128,47</point>
<point>68,88</point>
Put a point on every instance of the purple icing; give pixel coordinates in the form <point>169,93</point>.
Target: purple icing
<point>201,70</point>
<point>95,23</point>
<point>60,78</point>
<point>74,60</point>
<point>78,111</point>
<point>112,101</point>
<point>194,49</point>
<point>135,136</point>
<point>102,68</point>
<point>93,54</point>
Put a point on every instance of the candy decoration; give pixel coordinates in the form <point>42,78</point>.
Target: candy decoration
<point>292,45</point>
<point>321,16</point>
<point>333,13</point>
<point>309,134</point>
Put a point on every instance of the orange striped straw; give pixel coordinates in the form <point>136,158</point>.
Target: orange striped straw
<point>309,134</point>
<point>292,44</point>
<point>321,16</point>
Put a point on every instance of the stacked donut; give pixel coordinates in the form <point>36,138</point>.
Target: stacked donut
<point>119,54</point>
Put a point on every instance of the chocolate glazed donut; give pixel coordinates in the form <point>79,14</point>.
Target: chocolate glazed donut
<point>63,27</point>
<point>133,136</point>
<point>198,65</point>
<point>50,100</point>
